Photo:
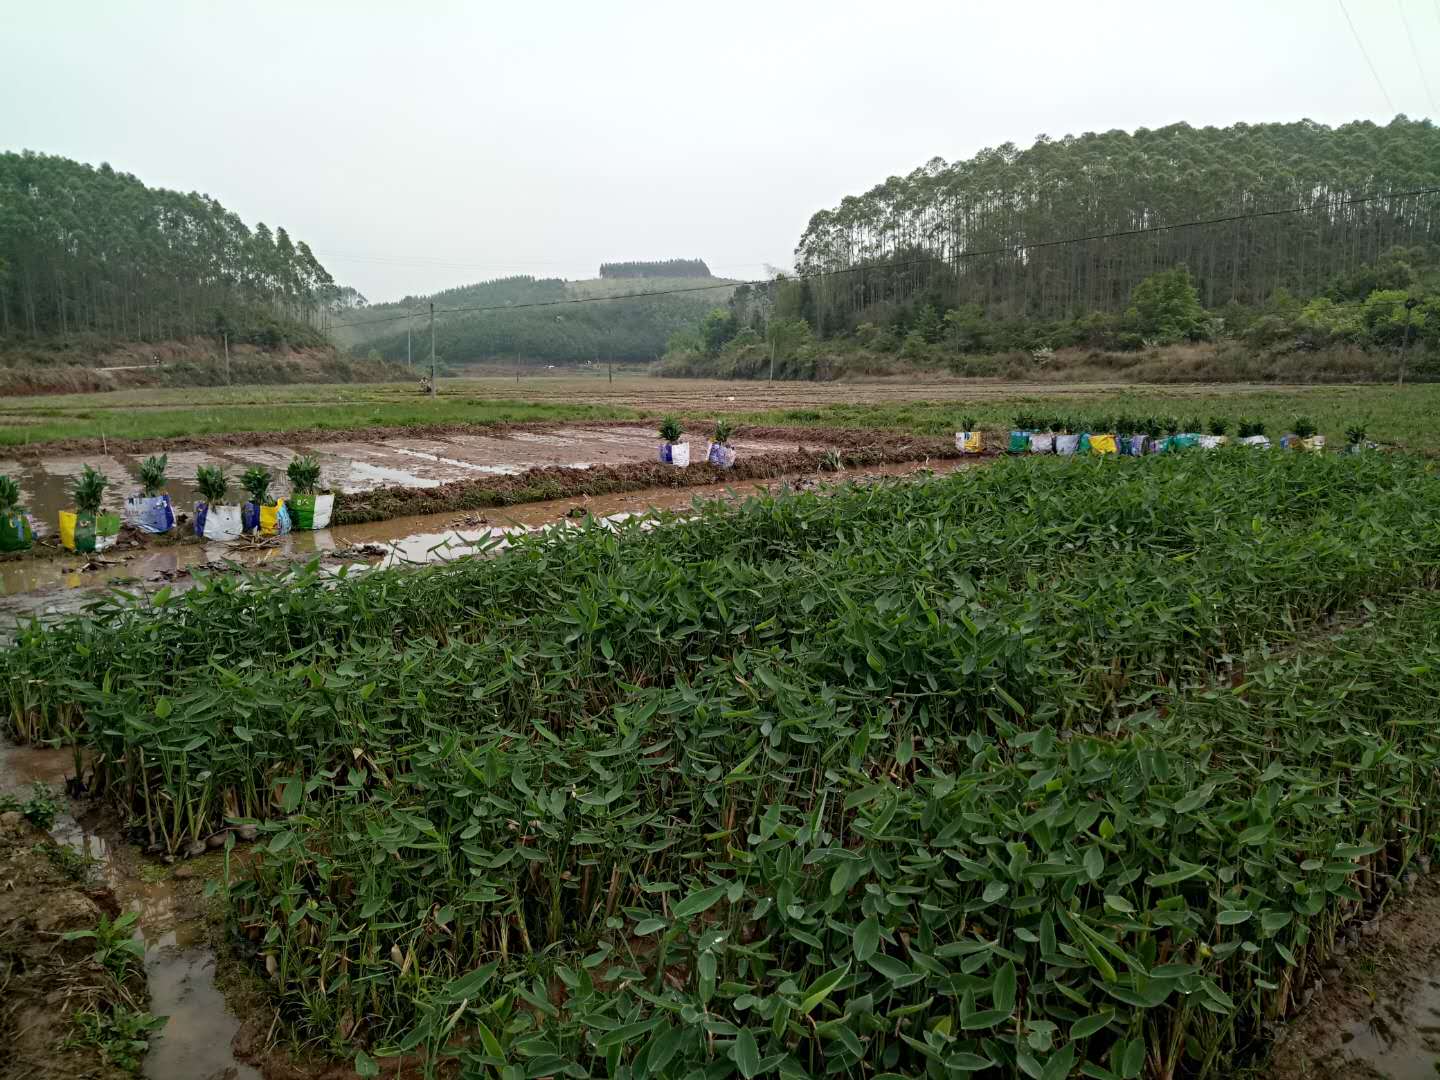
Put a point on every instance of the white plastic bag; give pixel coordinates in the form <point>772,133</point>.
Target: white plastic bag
<point>1042,443</point>
<point>1067,444</point>
<point>680,454</point>
<point>221,523</point>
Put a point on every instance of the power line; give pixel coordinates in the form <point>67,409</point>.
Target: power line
<point>1003,250</point>
<point>1365,54</point>
<point>1416,54</point>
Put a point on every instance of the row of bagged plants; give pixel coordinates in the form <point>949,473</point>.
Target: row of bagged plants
<point>86,527</point>
<point>1137,436</point>
<point>718,451</point>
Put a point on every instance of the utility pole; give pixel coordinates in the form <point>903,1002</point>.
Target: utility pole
<point>772,358</point>
<point>409,359</point>
<point>432,348</point>
<point>225,337</point>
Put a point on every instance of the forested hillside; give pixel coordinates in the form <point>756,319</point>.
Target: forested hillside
<point>87,250</point>
<point>625,325</point>
<point>1313,238</point>
<point>1006,203</point>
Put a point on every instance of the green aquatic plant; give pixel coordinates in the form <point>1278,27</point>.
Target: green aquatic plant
<point>256,482</point>
<point>304,474</point>
<point>152,475</point>
<point>88,491</point>
<point>211,482</point>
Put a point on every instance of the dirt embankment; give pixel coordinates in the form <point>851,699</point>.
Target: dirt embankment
<point>193,362</point>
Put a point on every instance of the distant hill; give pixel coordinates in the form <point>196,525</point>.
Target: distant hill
<point>541,320</point>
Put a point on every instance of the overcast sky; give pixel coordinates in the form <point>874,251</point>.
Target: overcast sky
<point>419,146</point>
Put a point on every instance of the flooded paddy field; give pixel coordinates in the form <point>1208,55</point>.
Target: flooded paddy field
<point>351,467</point>
<point>65,584</point>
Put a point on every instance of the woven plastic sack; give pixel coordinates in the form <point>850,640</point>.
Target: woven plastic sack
<point>217,522</point>
<point>969,442</point>
<point>310,511</point>
<point>1042,442</point>
<point>150,514</point>
<point>1067,444</point>
<point>720,455</point>
<point>1019,442</point>
<point>1104,444</point>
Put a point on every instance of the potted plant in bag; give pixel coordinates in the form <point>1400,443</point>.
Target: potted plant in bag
<point>1187,434</point>
<point>85,528</point>
<point>1020,434</point>
<point>1102,438</point>
<point>309,507</point>
<point>1252,433</point>
<point>672,450</point>
<point>16,533</point>
<point>1304,436</point>
<point>720,452</point>
<point>150,511</point>
<point>1355,441</point>
<point>260,514</point>
<point>968,439</point>
<point>214,518</point>
<point>1067,439</point>
<point>1215,436</point>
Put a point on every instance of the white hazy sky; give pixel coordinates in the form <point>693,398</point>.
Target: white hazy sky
<point>423,145</point>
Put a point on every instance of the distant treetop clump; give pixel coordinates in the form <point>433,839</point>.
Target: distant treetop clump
<point>668,268</point>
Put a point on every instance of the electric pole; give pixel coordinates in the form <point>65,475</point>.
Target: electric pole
<point>409,358</point>
<point>432,348</point>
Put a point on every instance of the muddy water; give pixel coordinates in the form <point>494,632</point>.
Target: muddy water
<point>1400,1039</point>
<point>179,965</point>
<point>351,466</point>
<point>61,586</point>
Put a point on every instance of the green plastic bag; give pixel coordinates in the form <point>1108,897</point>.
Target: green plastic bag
<point>15,532</point>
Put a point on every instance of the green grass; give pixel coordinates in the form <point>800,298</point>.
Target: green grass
<point>1394,416</point>
<point>170,413</point>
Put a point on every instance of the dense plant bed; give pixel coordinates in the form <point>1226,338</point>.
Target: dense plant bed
<point>917,773</point>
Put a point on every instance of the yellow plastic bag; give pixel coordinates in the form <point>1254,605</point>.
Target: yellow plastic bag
<point>274,518</point>
<point>67,529</point>
<point>969,442</point>
<point>1103,444</point>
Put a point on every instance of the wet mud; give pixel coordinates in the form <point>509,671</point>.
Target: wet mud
<point>1375,1009</point>
<point>174,920</point>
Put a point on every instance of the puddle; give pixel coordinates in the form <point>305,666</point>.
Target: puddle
<point>1400,1039</point>
<point>179,967</point>
<point>196,1039</point>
